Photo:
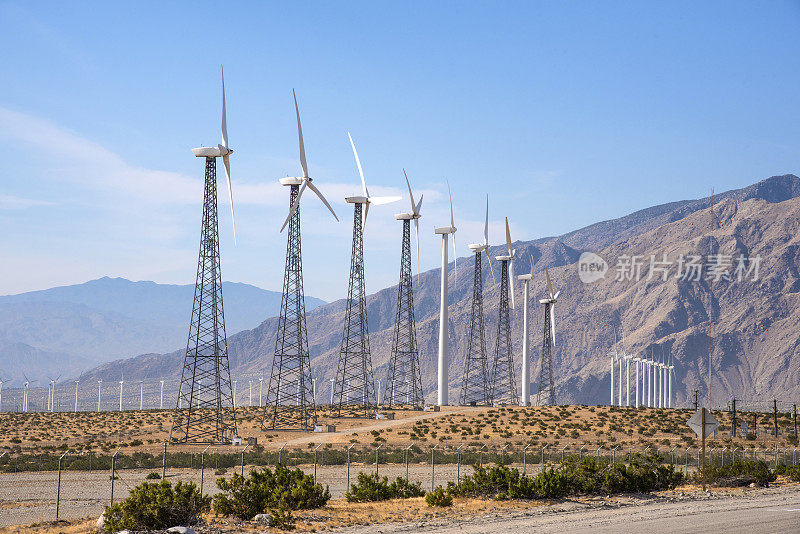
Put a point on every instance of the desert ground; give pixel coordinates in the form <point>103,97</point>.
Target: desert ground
<point>485,434</point>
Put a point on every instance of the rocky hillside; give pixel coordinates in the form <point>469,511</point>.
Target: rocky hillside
<point>755,330</point>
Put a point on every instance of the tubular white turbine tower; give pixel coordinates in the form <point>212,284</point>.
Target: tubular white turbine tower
<point>525,399</point>
<point>444,332</point>
<point>671,372</point>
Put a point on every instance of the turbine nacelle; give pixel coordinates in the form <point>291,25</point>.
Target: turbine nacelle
<point>445,230</point>
<point>477,247</point>
<point>211,151</point>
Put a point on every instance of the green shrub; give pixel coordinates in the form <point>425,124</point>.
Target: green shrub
<point>221,471</point>
<point>157,506</point>
<point>373,488</point>
<point>267,491</point>
<point>153,476</point>
<point>439,497</point>
<point>281,518</point>
<point>739,472</point>
<point>587,476</point>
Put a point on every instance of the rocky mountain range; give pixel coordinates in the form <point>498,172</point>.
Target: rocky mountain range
<point>752,317</point>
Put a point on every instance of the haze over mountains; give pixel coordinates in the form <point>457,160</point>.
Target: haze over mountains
<point>755,334</point>
<point>66,330</point>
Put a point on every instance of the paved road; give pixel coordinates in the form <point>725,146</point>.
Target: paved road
<point>754,512</point>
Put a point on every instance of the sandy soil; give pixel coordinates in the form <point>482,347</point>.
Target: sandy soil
<point>30,497</point>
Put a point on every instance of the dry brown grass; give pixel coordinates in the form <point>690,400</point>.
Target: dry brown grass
<point>594,426</point>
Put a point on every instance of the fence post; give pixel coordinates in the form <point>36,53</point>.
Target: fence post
<point>113,475</point>
<point>458,469</point>
<point>315,462</point>
<point>503,454</point>
<point>481,454</point>
<point>164,463</point>
<point>348,466</point>
<point>378,448</point>
<point>280,453</point>
<point>433,465</point>
<point>525,459</point>
<point>407,454</point>
<point>580,452</point>
<point>203,467</point>
<point>245,448</point>
<point>58,492</point>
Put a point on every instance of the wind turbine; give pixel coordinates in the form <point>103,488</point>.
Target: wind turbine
<point>25,394</point>
<point>547,387</point>
<point>525,399</point>
<point>503,387</point>
<point>205,375</point>
<point>355,379</point>
<point>51,393</point>
<point>121,381</point>
<point>444,332</point>
<point>404,369</point>
<point>291,364</point>
<point>476,382</point>
<point>1,394</point>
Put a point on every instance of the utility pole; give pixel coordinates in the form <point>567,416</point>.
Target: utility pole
<point>775,416</point>
<point>703,439</point>
<point>695,400</point>
<point>733,421</point>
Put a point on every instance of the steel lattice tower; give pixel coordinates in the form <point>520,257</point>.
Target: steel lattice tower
<point>476,388</point>
<point>205,392</point>
<point>503,387</point>
<point>547,388</point>
<point>403,379</point>
<point>290,397</point>
<point>355,388</point>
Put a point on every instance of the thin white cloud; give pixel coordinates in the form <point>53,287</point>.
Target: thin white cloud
<point>11,202</point>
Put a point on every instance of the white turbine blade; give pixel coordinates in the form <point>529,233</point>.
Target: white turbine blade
<point>224,115</point>
<point>384,200</point>
<point>410,194</point>
<point>416,229</point>
<point>300,137</point>
<point>508,238</point>
<point>227,163</point>
<point>364,218</point>
<point>549,285</point>
<point>489,262</point>
<point>552,324</point>
<point>322,198</point>
<point>419,206</point>
<point>511,273</point>
<point>358,164</point>
<point>452,222</point>
<point>555,297</point>
<point>295,204</point>
<point>531,259</point>
<point>486,226</point>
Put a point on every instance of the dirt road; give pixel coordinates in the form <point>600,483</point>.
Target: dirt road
<point>752,511</point>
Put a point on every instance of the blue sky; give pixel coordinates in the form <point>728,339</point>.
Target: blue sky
<point>566,113</point>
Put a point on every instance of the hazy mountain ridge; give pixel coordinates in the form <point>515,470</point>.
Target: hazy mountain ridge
<point>655,315</point>
<point>110,318</point>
